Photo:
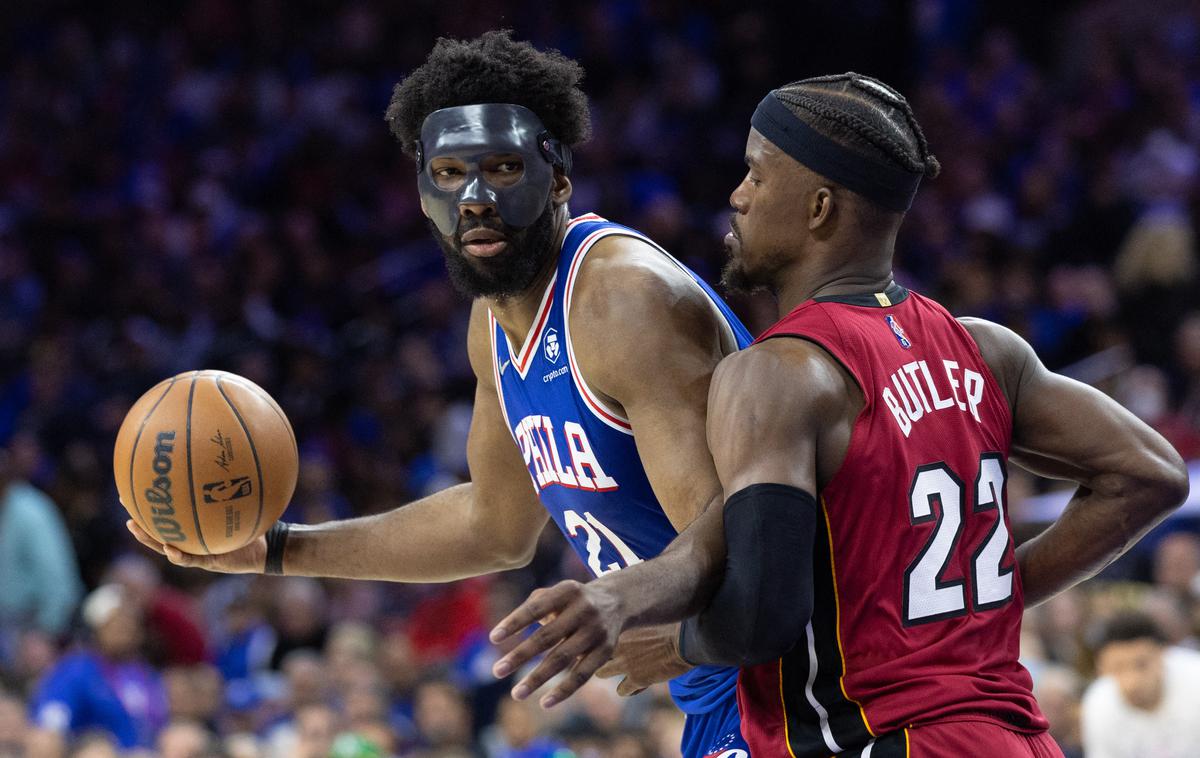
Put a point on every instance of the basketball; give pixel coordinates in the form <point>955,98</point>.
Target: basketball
<point>206,461</point>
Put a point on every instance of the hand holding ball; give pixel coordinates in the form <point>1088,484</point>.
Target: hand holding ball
<point>206,462</point>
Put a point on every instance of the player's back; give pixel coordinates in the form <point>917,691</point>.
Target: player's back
<point>917,602</point>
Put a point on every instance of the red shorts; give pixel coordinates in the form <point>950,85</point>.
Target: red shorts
<point>955,739</point>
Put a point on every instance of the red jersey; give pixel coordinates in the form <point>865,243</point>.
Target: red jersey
<point>917,598</point>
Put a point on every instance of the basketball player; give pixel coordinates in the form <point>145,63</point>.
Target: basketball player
<point>870,592</point>
<point>590,345</point>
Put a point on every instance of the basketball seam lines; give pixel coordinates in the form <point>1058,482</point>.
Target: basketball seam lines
<point>274,406</point>
<point>253,452</point>
<point>133,453</point>
<point>191,474</point>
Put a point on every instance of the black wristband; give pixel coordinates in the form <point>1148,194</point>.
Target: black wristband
<point>276,542</point>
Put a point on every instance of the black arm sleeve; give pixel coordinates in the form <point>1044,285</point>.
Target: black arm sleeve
<point>766,595</point>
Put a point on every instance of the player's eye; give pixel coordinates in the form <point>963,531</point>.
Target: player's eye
<point>505,172</point>
<point>448,177</point>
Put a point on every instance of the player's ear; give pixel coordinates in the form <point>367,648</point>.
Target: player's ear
<point>820,208</point>
<point>560,191</point>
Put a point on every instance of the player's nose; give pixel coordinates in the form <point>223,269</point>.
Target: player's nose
<point>738,199</point>
<point>482,210</point>
<point>476,199</point>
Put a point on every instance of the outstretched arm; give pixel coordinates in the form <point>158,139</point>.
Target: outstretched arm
<point>1129,477</point>
<point>489,524</point>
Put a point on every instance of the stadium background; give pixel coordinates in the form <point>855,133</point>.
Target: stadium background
<point>211,184</point>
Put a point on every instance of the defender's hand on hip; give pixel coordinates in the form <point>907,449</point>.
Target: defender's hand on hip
<point>644,657</point>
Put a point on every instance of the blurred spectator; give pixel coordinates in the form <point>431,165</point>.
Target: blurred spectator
<point>1144,702</point>
<point>316,728</point>
<point>300,617</point>
<point>39,581</point>
<point>184,739</point>
<point>665,727</point>
<point>194,694</point>
<point>1058,690</point>
<point>174,636</point>
<point>243,745</point>
<point>1177,564</point>
<point>442,717</point>
<point>522,732</point>
<point>106,684</point>
<point>12,727</point>
<point>93,746</point>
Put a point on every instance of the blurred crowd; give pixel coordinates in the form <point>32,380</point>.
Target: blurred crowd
<point>210,184</point>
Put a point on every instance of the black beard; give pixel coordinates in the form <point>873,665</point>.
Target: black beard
<point>737,280</point>
<point>504,275</point>
<point>734,278</point>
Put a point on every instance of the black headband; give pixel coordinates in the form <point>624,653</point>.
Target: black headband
<point>891,187</point>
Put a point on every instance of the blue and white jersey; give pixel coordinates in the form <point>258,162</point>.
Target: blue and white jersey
<point>581,455</point>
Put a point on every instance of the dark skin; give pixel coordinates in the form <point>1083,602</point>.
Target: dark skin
<point>657,378</point>
<point>1128,477</point>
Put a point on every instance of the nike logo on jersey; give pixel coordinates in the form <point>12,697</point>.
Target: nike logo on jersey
<point>917,393</point>
<point>503,366</point>
<point>539,446</point>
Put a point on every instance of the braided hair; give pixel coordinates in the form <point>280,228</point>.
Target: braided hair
<point>865,115</point>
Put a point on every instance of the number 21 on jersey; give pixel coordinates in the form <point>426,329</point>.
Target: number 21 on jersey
<point>592,530</point>
<point>927,596</point>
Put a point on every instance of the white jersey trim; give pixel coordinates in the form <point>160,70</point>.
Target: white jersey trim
<point>523,360</point>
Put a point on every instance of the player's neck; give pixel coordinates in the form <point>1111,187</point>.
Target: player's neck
<point>795,287</point>
<point>516,314</point>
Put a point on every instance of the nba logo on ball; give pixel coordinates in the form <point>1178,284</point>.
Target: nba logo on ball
<point>550,345</point>
<point>898,331</point>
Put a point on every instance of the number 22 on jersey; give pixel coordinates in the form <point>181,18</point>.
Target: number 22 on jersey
<point>927,596</point>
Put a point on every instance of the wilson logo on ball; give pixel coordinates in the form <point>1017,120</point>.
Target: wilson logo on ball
<point>159,492</point>
<point>223,492</point>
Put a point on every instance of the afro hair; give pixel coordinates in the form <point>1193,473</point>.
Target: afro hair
<point>493,68</point>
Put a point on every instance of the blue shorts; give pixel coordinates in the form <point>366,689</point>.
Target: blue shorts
<point>717,733</point>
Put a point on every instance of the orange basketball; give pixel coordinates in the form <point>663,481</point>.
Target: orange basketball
<point>206,461</point>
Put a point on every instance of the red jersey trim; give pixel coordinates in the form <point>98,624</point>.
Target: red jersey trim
<point>522,360</point>
<point>585,217</point>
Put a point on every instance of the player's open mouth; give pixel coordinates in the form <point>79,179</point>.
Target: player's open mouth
<point>483,243</point>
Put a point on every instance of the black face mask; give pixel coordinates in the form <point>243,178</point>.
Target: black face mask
<point>524,213</point>
<point>509,273</point>
<point>470,133</point>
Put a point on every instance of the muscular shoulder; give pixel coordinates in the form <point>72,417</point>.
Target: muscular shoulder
<point>778,387</point>
<point>633,308</point>
<point>1010,358</point>
<point>627,288</point>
